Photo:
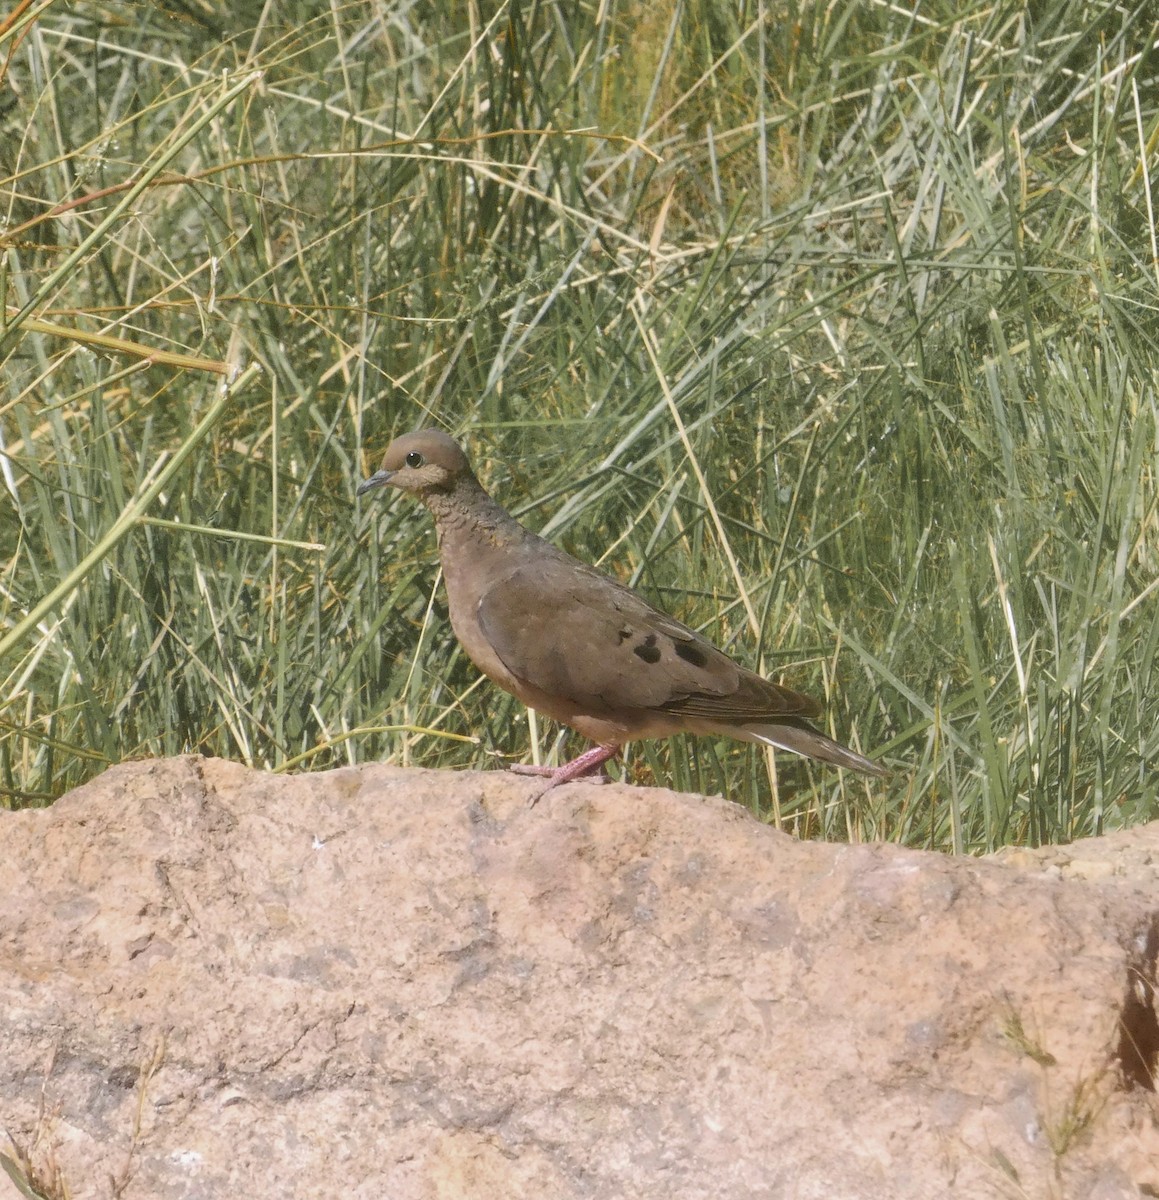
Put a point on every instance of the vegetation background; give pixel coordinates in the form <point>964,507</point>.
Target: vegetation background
<point>831,327</point>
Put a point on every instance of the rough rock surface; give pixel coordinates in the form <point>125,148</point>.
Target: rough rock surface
<point>380,983</point>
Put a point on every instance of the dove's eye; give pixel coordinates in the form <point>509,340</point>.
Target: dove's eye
<point>414,459</point>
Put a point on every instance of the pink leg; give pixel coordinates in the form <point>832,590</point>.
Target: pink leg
<point>587,764</point>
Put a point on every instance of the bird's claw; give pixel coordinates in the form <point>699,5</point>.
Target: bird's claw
<point>589,767</point>
<point>555,776</point>
<point>558,775</point>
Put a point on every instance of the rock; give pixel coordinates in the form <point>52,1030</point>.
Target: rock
<point>377,982</point>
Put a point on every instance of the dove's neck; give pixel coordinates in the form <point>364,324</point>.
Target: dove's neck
<point>474,532</point>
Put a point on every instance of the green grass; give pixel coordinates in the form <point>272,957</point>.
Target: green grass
<point>835,333</point>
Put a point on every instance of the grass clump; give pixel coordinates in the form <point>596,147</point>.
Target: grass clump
<point>834,334</point>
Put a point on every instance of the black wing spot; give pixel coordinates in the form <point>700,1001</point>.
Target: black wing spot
<point>691,654</point>
<point>648,650</point>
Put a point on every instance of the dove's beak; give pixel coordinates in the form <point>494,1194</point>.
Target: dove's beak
<point>377,480</point>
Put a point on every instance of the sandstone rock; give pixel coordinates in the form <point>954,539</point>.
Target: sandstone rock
<point>380,983</point>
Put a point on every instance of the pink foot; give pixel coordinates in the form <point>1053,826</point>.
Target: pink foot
<point>588,763</point>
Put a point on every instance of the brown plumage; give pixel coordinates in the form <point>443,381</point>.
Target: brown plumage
<point>576,645</point>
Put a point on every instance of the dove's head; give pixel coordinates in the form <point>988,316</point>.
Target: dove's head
<point>425,461</point>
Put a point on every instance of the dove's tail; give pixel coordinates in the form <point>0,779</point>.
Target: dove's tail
<point>803,739</point>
